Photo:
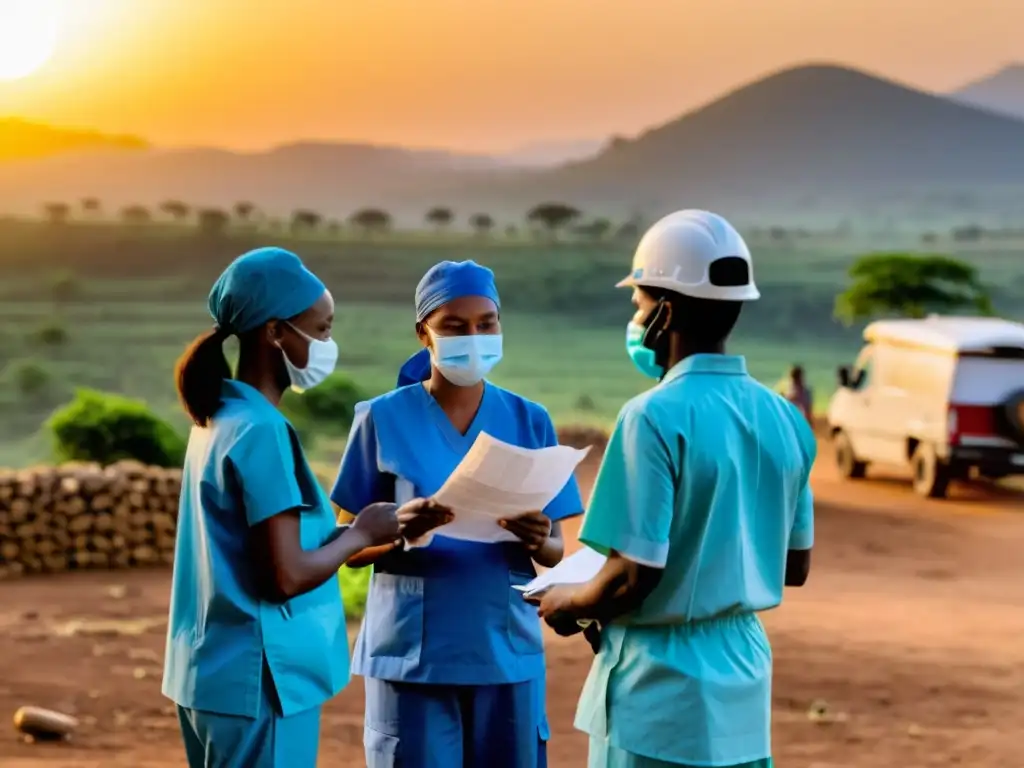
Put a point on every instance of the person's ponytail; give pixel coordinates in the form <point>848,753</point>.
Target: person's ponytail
<point>200,373</point>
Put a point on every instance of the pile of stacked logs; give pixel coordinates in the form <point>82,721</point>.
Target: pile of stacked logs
<point>78,516</point>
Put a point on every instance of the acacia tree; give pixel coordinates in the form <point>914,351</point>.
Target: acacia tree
<point>552,216</point>
<point>57,213</point>
<point>244,211</point>
<point>90,205</point>
<point>482,223</point>
<point>135,214</point>
<point>371,220</point>
<point>440,218</point>
<point>305,221</point>
<point>910,285</point>
<point>213,221</point>
<point>176,209</point>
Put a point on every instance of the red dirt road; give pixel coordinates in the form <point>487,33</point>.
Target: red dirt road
<point>910,635</point>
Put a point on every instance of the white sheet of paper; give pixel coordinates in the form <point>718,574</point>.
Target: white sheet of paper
<point>579,568</point>
<point>496,480</point>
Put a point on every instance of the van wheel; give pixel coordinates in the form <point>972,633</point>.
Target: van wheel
<point>849,465</point>
<point>931,476</point>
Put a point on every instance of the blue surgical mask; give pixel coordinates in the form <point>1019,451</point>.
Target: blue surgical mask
<point>465,360</point>
<point>643,357</point>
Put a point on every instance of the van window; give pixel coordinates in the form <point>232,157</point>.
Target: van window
<point>860,377</point>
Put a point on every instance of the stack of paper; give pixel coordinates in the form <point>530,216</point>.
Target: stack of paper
<point>579,568</point>
<point>496,480</point>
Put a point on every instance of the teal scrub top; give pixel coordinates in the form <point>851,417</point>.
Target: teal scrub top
<point>706,477</point>
<point>243,469</point>
<point>447,613</point>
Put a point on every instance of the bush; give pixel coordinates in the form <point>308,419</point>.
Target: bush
<point>52,334</point>
<point>355,585</point>
<point>328,408</point>
<point>106,428</point>
<point>31,378</point>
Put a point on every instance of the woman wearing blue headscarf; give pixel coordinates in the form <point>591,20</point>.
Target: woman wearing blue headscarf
<point>256,637</point>
<point>452,655</point>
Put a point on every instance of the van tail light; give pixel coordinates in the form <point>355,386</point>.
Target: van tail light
<point>970,421</point>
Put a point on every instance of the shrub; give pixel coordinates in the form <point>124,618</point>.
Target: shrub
<point>355,585</point>
<point>52,334</point>
<point>31,378</point>
<point>327,408</point>
<point>105,428</point>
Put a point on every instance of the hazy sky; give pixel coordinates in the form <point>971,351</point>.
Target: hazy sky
<point>471,74</point>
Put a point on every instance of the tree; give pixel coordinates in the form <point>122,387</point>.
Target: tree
<point>135,214</point>
<point>213,221</point>
<point>910,285</point>
<point>372,220</point>
<point>482,223</point>
<point>552,216</point>
<point>176,209</point>
<point>305,221</point>
<point>594,230</point>
<point>244,211</point>
<point>57,213</point>
<point>91,205</point>
<point>440,218</point>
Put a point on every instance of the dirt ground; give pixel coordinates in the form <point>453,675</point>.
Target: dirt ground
<point>905,650</point>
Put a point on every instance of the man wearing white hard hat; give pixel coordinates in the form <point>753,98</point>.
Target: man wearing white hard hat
<point>703,506</point>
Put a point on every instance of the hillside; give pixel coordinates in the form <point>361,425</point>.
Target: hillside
<point>809,139</point>
<point>811,131</point>
<point>23,140</point>
<point>1002,91</point>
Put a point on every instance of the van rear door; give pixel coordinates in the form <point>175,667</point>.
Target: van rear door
<point>987,391</point>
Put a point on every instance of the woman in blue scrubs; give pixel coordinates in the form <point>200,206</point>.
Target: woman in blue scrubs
<point>452,655</point>
<point>256,638</point>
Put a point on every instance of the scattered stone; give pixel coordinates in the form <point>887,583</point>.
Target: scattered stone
<point>38,724</point>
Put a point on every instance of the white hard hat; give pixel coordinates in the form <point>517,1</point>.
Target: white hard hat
<point>677,254</point>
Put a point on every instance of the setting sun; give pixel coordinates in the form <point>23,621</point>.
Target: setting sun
<point>28,34</point>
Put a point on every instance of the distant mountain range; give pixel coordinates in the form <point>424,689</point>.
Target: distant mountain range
<point>809,137</point>
<point>1001,92</point>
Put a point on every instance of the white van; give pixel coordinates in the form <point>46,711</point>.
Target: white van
<point>944,394</point>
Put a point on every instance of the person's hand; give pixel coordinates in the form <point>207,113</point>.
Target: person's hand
<point>420,516</point>
<point>557,607</point>
<point>378,524</point>
<point>532,527</point>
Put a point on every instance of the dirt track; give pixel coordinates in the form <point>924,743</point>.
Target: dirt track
<point>911,632</point>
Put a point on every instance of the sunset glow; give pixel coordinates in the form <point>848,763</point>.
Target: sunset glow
<point>28,36</point>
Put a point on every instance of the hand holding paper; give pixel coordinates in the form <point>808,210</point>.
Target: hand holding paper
<point>496,481</point>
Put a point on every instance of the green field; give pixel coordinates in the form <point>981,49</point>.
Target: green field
<point>111,307</point>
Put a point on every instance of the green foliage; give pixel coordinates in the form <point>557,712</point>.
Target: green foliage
<point>51,334</point>
<point>372,220</point>
<point>440,217</point>
<point>911,286</point>
<point>355,585</point>
<point>305,221</point>
<point>65,287</point>
<point>31,378</point>
<point>552,216</point>
<point>213,221</point>
<point>102,427</point>
<point>328,408</point>
<point>482,223</point>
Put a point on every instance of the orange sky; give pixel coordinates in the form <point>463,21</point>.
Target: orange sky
<point>470,74</point>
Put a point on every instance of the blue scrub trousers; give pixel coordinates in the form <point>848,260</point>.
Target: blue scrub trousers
<point>417,725</point>
<point>604,755</point>
<point>269,740</point>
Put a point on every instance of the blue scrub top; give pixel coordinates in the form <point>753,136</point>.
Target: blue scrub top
<point>706,476</point>
<point>446,613</point>
<point>243,469</point>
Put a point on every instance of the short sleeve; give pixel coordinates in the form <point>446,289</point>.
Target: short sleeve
<point>802,534</point>
<point>568,503</point>
<point>633,501</point>
<point>264,461</point>
<point>359,481</point>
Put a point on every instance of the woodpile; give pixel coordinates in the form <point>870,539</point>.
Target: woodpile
<point>78,516</point>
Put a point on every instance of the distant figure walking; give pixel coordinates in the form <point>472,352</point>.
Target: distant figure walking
<point>799,394</point>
